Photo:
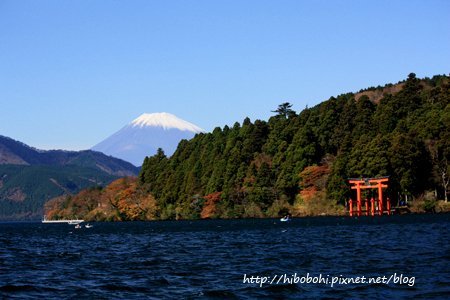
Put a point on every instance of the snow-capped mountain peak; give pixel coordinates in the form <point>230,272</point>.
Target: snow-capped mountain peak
<point>166,121</point>
<point>143,136</point>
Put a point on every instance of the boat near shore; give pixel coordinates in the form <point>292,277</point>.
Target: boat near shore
<point>70,222</point>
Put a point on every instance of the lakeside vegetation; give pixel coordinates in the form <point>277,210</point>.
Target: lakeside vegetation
<point>292,163</point>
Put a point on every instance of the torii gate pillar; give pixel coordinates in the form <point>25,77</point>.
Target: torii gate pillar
<point>370,183</point>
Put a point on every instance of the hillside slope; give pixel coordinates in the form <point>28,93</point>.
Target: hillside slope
<point>300,163</point>
<point>24,189</point>
<point>29,177</point>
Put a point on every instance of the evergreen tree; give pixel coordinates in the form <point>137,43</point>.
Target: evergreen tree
<point>284,110</point>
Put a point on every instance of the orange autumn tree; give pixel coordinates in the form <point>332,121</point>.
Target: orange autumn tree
<point>209,208</point>
<point>313,199</point>
<point>53,208</point>
<point>313,180</point>
<point>121,200</point>
<point>133,204</point>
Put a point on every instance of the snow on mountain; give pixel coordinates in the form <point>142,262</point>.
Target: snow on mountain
<point>145,134</point>
<point>166,121</point>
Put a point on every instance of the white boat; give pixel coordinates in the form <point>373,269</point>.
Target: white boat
<point>70,222</point>
<point>284,219</point>
<point>74,222</point>
<point>88,226</point>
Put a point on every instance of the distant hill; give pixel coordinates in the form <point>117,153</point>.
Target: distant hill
<point>17,153</point>
<point>29,177</point>
<point>144,135</point>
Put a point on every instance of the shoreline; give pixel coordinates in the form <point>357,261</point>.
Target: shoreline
<point>345,217</point>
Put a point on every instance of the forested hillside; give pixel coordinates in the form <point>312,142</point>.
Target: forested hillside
<point>24,189</point>
<point>300,163</point>
<point>29,177</point>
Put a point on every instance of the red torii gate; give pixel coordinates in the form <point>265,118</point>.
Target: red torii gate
<point>369,183</point>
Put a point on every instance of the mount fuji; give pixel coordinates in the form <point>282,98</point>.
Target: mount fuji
<point>144,135</point>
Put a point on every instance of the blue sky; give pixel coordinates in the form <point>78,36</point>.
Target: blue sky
<point>74,72</point>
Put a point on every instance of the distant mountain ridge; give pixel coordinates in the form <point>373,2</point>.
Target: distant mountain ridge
<point>17,153</point>
<point>145,134</point>
<point>29,177</point>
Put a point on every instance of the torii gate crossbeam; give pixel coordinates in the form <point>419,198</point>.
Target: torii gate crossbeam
<point>369,183</point>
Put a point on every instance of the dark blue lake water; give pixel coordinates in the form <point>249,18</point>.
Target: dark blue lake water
<point>245,259</point>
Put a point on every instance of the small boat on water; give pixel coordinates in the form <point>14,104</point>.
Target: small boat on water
<point>70,222</point>
<point>74,222</point>
<point>78,226</point>
<point>88,225</point>
<point>285,219</point>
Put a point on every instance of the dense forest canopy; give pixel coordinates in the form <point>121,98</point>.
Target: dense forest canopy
<point>268,168</point>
